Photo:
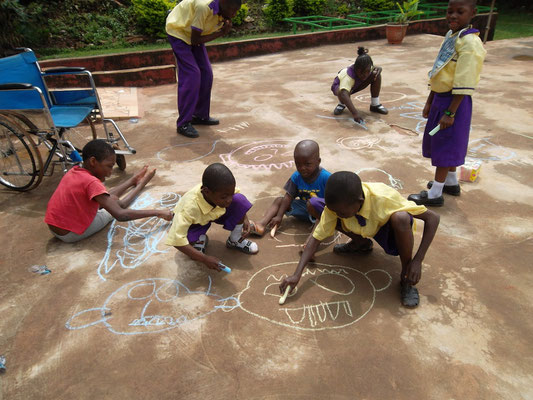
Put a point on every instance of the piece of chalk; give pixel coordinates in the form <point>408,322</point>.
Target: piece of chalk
<point>361,124</point>
<point>284,297</point>
<point>273,231</point>
<point>224,268</point>
<point>434,130</point>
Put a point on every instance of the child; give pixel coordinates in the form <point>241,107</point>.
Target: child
<point>452,81</point>
<point>214,200</point>
<point>81,205</point>
<point>189,25</point>
<point>304,197</point>
<point>355,78</point>
<point>371,210</point>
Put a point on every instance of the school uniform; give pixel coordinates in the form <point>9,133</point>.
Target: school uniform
<point>456,71</point>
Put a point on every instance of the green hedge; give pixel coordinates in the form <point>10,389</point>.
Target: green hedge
<point>151,16</point>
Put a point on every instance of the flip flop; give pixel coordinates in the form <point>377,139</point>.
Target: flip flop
<point>254,231</point>
<point>349,248</point>
<point>410,296</point>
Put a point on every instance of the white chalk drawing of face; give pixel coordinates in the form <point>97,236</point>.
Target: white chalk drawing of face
<point>151,305</point>
<point>358,142</point>
<point>129,245</point>
<point>386,97</point>
<point>187,152</point>
<point>484,149</point>
<point>267,155</point>
<point>372,176</point>
<point>327,297</point>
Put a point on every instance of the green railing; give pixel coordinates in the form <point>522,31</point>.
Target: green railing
<point>318,22</point>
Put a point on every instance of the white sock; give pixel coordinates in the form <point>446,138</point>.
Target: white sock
<point>451,179</point>
<point>374,101</point>
<point>236,233</point>
<point>436,190</point>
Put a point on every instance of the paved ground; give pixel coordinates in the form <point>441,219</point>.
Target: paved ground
<point>123,316</point>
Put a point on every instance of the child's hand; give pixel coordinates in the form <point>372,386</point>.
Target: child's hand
<point>212,263</point>
<point>375,73</point>
<point>446,121</point>
<point>226,28</point>
<point>425,112</point>
<point>276,221</point>
<point>357,118</point>
<point>290,280</point>
<point>414,271</point>
<point>167,215</point>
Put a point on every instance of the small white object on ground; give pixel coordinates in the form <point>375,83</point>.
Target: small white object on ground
<point>284,297</point>
<point>273,231</point>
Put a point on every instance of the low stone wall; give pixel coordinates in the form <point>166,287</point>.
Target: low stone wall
<point>156,67</point>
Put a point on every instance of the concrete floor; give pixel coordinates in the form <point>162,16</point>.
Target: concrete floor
<point>123,316</point>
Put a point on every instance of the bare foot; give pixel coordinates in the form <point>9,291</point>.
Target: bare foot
<point>140,175</point>
<point>147,178</point>
<point>257,229</point>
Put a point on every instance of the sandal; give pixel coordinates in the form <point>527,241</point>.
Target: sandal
<point>201,243</point>
<point>254,231</point>
<point>349,247</point>
<point>244,245</point>
<point>339,109</point>
<point>409,295</point>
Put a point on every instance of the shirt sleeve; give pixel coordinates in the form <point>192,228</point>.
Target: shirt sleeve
<point>469,63</point>
<point>291,188</point>
<point>201,14</point>
<point>177,234</point>
<point>95,188</point>
<point>345,82</point>
<point>326,226</point>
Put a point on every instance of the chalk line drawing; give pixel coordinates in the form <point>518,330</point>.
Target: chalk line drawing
<point>393,182</point>
<point>386,97</point>
<point>358,142</point>
<point>152,305</point>
<point>327,297</point>
<point>236,127</point>
<point>264,155</point>
<point>418,107</point>
<point>484,149</point>
<point>160,153</point>
<point>140,238</point>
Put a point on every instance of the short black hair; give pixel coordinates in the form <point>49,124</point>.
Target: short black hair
<point>343,187</point>
<point>473,3</point>
<point>97,148</point>
<point>363,60</point>
<point>217,176</point>
<point>307,147</point>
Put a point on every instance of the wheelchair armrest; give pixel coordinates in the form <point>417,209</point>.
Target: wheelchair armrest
<point>64,70</point>
<point>16,86</point>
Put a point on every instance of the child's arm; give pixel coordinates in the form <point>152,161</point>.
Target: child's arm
<point>209,261</point>
<point>446,121</point>
<point>414,267</point>
<point>308,253</point>
<point>427,107</point>
<point>344,98</point>
<point>125,214</point>
<point>283,207</point>
<point>197,37</point>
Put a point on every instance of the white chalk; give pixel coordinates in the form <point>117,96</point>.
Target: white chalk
<point>224,268</point>
<point>273,231</point>
<point>361,124</point>
<point>434,130</point>
<point>284,297</point>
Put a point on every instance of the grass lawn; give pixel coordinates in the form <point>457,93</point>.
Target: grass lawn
<point>513,24</point>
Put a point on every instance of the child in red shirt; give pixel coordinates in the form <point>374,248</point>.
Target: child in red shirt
<point>81,205</point>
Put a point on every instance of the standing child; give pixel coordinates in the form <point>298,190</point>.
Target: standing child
<point>355,78</point>
<point>371,210</point>
<point>452,81</point>
<point>81,205</point>
<point>214,200</point>
<point>304,197</point>
<point>189,25</point>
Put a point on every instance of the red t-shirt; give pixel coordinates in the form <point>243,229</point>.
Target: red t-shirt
<point>72,206</point>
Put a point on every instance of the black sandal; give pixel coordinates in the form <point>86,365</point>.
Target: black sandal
<point>349,247</point>
<point>201,243</point>
<point>410,296</point>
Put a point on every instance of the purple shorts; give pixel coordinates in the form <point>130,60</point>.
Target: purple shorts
<point>234,214</point>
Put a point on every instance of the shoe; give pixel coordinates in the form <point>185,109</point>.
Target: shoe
<point>409,295</point>
<point>454,190</point>
<point>422,199</point>
<point>347,248</point>
<point>379,109</point>
<point>206,121</point>
<point>188,130</point>
<point>244,245</point>
<point>339,109</point>
<point>201,243</point>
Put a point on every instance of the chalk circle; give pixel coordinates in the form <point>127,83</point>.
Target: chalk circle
<point>358,142</point>
<point>483,149</point>
<point>327,296</point>
<point>376,175</point>
<point>263,155</point>
<point>186,152</point>
<point>385,97</point>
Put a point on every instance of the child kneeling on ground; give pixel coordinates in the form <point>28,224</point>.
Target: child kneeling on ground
<point>371,210</point>
<point>81,205</point>
<point>214,200</point>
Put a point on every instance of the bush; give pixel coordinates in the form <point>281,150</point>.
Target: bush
<point>303,8</point>
<point>276,10</point>
<point>13,17</point>
<point>378,5</point>
<point>241,15</point>
<point>343,10</point>
<point>151,16</point>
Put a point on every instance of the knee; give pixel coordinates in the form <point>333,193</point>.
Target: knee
<point>401,220</point>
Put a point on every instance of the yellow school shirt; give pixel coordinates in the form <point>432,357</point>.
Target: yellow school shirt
<point>201,15</point>
<point>191,209</point>
<point>461,74</point>
<point>346,82</point>
<point>381,201</point>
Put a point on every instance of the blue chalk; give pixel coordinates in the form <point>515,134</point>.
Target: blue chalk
<point>224,268</point>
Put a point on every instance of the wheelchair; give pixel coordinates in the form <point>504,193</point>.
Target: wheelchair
<point>36,120</point>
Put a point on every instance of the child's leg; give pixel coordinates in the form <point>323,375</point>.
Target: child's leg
<point>197,236</point>
<point>137,181</point>
<point>357,244</point>
<point>101,219</point>
<point>206,82</point>
<point>270,213</point>
<point>233,220</point>
<point>375,104</point>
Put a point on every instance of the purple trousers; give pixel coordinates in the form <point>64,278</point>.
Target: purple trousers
<point>195,79</point>
<point>234,214</point>
<point>448,147</point>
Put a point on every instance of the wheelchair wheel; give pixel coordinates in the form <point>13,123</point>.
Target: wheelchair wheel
<point>19,166</point>
<point>121,162</point>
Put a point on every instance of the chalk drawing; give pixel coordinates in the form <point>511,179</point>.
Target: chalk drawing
<point>386,97</point>
<point>236,127</point>
<point>152,305</point>
<point>264,155</point>
<point>140,238</point>
<point>393,182</point>
<point>484,149</point>
<point>327,297</point>
<point>161,153</point>
<point>418,107</point>
<point>358,142</point>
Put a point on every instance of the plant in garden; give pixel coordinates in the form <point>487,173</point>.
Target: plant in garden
<point>303,8</point>
<point>241,15</point>
<point>276,10</point>
<point>407,12</point>
<point>378,5</point>
<point>151,15</point>
<point>343,10</point>
<point>12,16</point>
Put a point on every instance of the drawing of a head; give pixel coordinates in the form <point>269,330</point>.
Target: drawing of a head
<point>327,297</point>
<point>267,155</point>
